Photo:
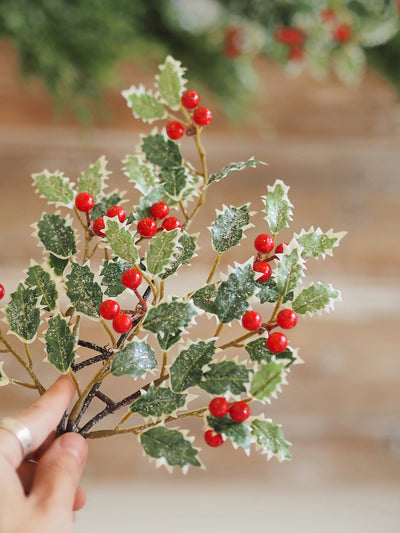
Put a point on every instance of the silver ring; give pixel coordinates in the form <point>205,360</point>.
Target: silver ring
<point>20,431</point>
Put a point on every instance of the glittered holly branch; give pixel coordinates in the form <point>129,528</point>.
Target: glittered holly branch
<point>118,279</point>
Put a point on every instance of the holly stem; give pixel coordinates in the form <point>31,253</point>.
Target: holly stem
<point>203,159</point>
<point>219,329</point>
<point>108,330</point>
<point>184,212</point>
<point>236,342</point>
<point>164,364</point>
<point>28,355</point>
<point>214,268</point>
<point>76,382</point>
<point>276,309</point>
<point>22,383</point>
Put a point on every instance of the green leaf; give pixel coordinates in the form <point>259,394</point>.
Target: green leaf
<point>55,187</point>
<point>56,235</point>
<point>375,31</point>
<point>316,243</point>
<point>233,167</point>
<point>267,380</point>
<point>268,291</point>
<point>315,298</point>
<point>102,206</point>
<point>205,299</point>
<point>168,320</point>
<point>111,276</point>
<point>22,314</point>
<point>4,380</point>
<point>121,241</point>
<point>270,438</point>
<point>162,250</point>
<point>237,432</point>
<point>349,63</point>
<point>289,271</point>
<point>174,180</point>
<point>226,376</point>
<point>186,371</point>
<point>60,344</point>
<point>227,230</point>
<point>161,152</point>
<point>144,104</point>
<point>277,206</point>
<point>170,446</point>
<point>135,360</point>
<point>259,352</point>
<point>57,264</point>
<point>93,180</point>
<point>158,401</point>
<point>233,294</point>
<point>171,82</point>
<point>183,254</point>
<point>43,285</point>
<point>141,174</point>
<point>85,294</point>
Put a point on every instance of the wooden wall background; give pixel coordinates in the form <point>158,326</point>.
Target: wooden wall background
<point>338,149</point>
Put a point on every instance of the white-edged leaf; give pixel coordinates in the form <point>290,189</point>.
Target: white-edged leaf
<point>60,344</point>
<point>315,298</point>
<point>121,240</point>
<point>55,187</point>
<point>278,206</point>
<point>94,179</point>
<point>144,104</point>
<point>140,173</point>
<point>233,167</point>
<point>270,439</point>
<point>171,82</point>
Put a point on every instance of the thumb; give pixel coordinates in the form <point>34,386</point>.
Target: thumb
<point>58,472</point>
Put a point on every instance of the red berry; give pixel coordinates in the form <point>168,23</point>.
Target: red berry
<point>98,226</point>
<point>234,42</point>
<point>122,323</point>
<point>175,130</point>
<point>328,14</point>
<point>264,243</point>
<point>159,210</point>
<point>84,202</point>
<point>218,407</point>
<point>239,411</point>
<point>279,248</point>
<point>2,291</point>
<point>342,33</point>
<point>286,319</point>
<point>296,53</point>
<point>131,278</point>
<point>251,320</point>
<point>265,270</point>
<point>170,223</point>
<point>109,309</point>
<point>213,439</point>
<point>202,116</point>
<point>147,227</point>
<point>288,35</point>
<point>277,342</point>
<point>190,99</point>
<point>117,211</point>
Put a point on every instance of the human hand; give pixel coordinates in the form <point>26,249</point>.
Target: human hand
<point>39,493</point>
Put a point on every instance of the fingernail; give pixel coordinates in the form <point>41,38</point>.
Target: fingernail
<point>75,444</point>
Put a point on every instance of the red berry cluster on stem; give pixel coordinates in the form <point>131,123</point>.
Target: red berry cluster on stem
<point>147,226</point>
<point>199,116</point>
<point>219,407</point>
<point>293,38</point>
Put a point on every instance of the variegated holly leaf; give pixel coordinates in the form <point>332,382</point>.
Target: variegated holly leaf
<point>4,379</point>
<point>183,254</point>
<point>161,152</point>
<point>270,439</point>
<point>226,376</point>
<point>317,243</point>
<point>140,173</point>
<point>259,352</point>
<point>162,250</point>
<point>232,299</point>
<point>55,187</point>
<point>349,62</point>
<point>289,270</point>
<point>135,360</point>
<point>233,167</point>
<point>56,235</point>
<point>83,291</point>
<point>171,82</point>
<point>22,313</point>
<point>111,273</point>
<point>268,291</point>
<point>374,31</point>
<point>102,206</point>
<point>315,298</point>
<point>93,180</point>
<point>60,344</point>
<point>158,401</point>
<point>237,432</point>
<point>205,298</point>
<point>57,264</point>
<point>169,446</point>
<point>174,180</point>
<point>267,380</point>
<point>278,206</point>
<point>44,287</point>
<point>144,104</point>
<point>121,241</point>
<point>187,369</point>
<point>168,320</point>
<point>228,228</point>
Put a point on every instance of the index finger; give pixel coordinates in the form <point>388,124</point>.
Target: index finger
<point>41,418</point>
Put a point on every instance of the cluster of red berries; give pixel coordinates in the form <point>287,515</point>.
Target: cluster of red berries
<point>219,407</point>
<point>201,116</point>
<point>110,309</point>
<point>264,244</point>
<point>341,32</point>
<point>294,38</point>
